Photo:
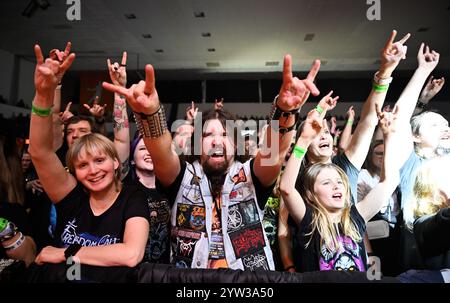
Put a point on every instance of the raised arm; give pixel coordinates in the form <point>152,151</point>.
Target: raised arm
<point>118,75</point>
<point>285,238</point>
<point>430,90</point>
<point>191,113</point>
<point>150,118</point>
<point>312,127</point>
<point>98,112</point>
<point>391,55</point>
<point>347,132</point>
<point>407,102</point>
<point>58,136</point>
<point>371,204</point>
<point>55,180</point>
<point>293,94</point>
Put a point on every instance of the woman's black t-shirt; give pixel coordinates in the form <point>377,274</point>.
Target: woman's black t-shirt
<point>77,224</point>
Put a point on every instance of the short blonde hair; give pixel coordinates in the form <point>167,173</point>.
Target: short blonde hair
<point>90,144</point>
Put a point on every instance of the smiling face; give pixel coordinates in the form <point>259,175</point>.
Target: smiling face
<point>95,170</point>
<point>217,148</point>
<point>433,131</point>
<point>321,148</point>
<point>330,190</point>
<point>141,158</point>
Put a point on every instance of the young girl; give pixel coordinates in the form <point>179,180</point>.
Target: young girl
<point>331,228</point>
<point>100,221</point>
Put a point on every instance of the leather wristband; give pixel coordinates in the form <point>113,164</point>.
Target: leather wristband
<point>276,113</point>
<point>151,126</point>
<point>421,105</point>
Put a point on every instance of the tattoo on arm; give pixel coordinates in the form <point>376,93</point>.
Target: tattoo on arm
<point>120,114</point>
<point>125,169</point>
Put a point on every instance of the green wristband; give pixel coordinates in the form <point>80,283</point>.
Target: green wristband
<point>299,152</point>
<point>380,88</point>
<point>319,109</point>
<point>41,112</point>
<point>349,122</point>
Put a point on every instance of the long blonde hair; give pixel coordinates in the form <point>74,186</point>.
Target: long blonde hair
<point>321,220</point>
<point>90,144</point>
<point>428,198</point>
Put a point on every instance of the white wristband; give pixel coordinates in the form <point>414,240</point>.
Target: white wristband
<point>16,244</point>
<point>380,81</point>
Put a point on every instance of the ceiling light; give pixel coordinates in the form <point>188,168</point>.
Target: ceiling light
<point>206,34</point>
<point>130,16</point>
<point>272,63</point>
<point>309,37</point>
<point>212,64</point>
<point>211,50</point>
<point>199,14</point>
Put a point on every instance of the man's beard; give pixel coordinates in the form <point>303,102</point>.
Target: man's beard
<point>216,176</point>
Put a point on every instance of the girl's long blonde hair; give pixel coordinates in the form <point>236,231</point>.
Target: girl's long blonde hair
<point>321,221</point>
<point>428,198</point>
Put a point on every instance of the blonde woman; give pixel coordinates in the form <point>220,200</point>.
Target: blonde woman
<point>331,228</point>
<point>100,221</point>
<point>431,207</point>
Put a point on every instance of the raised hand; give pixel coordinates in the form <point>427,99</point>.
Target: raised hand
<point>118,73</point>
<point>142,97</point>
<point>48,74</point>
<point>387,119</point>
<point>66,114</point>
<point>351,113</point>
<point>96,109</point>
<point>315,121</point>
<point>191,112</point>
<point>294,92</point>
<point>333,124</point>
<point>393,52</point>
<point>431,89</point>
<point>427,60</point>
<point>218,104</point>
